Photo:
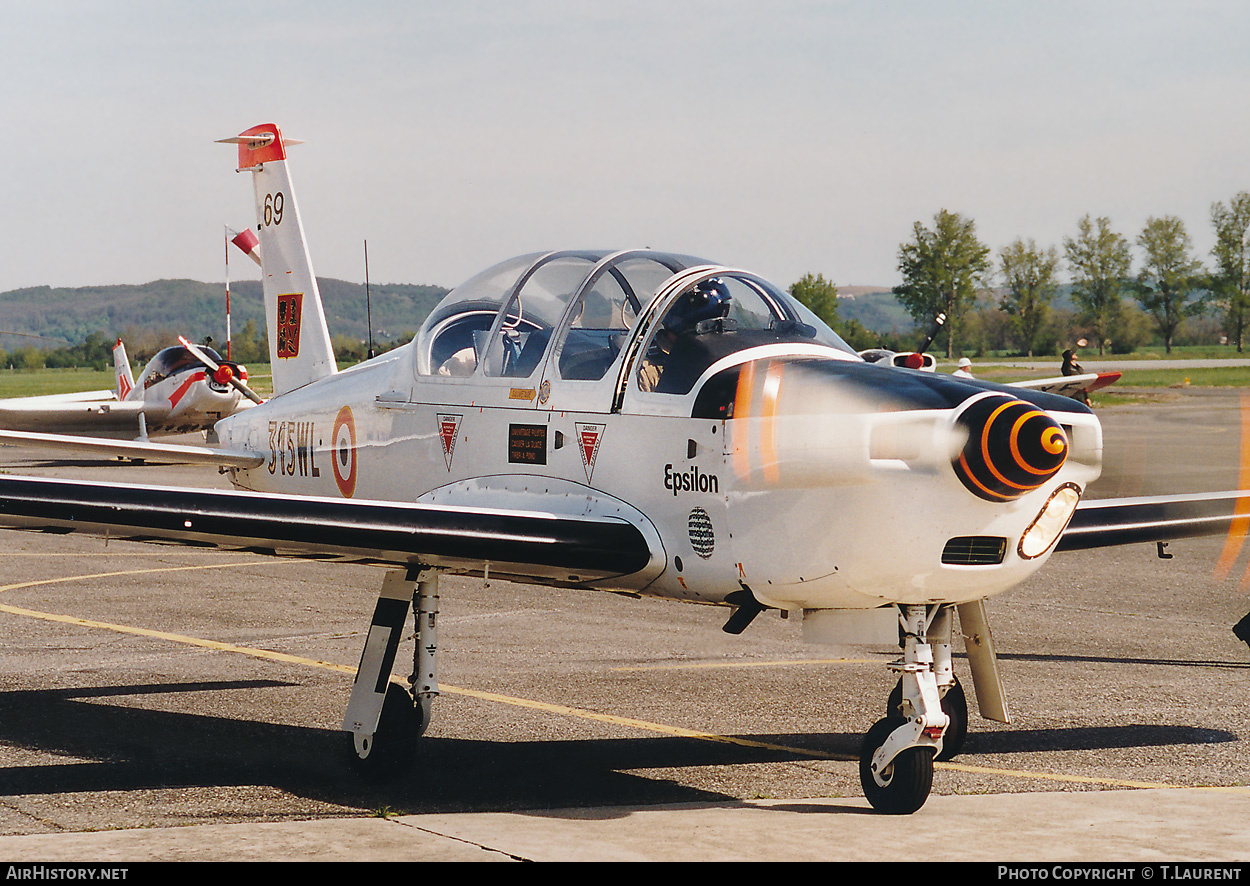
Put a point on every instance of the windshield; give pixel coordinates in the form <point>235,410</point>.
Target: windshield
<point>173,360</point>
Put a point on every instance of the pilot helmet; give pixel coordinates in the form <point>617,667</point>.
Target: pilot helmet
<point>706,301</point>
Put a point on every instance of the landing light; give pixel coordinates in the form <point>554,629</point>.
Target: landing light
<point>1050,522</point>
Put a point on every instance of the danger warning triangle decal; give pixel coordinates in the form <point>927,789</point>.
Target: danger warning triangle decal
<point>588,438</point>
<point>448,431</point>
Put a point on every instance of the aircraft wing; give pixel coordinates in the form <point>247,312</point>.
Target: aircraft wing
<point>97,397</point>
<point>1102,523</point>
<point>1070,385</point>
<point>525,544</point>
<point>161,453</point>
<point>93,411</point>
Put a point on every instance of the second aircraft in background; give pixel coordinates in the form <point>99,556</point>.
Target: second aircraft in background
<point>183,389</point>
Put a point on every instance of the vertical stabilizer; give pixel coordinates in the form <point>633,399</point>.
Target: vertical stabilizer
<point>121,368</point>
<point>299,341</point>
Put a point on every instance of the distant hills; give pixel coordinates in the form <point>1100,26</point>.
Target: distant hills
<point>167,308</point>
<point>197,310</point>
<point>874,306</point>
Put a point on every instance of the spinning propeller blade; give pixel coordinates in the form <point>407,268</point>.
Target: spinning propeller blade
<point>218,370</point>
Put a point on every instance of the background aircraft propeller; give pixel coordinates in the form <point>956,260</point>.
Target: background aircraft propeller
<point>221,374</point>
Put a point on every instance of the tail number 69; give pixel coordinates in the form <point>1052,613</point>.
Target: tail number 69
<point>273,208</point>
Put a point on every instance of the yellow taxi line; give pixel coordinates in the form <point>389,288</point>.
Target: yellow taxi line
<point>531,704</point>
<point>696,665</point>
<point>70,578</point>
<point>111,554</point>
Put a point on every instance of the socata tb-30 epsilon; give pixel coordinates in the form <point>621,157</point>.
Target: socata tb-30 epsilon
<point>636,421</point>
<point>183,389</point>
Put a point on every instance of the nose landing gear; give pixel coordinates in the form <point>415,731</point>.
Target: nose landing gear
<point>896,760</point>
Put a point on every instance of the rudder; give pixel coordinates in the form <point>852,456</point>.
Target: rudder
<point>121,369</point>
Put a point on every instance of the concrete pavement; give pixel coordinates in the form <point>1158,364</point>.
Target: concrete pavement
<point>1196,825</point>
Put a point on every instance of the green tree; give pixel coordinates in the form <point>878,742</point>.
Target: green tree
<point>1169,275</point>
<point>819,295</point>
<point>1230,283</point>
<point>1100,262</point>
<point>942,270</point>
<point>249,344</point>
<point>1030,274</point>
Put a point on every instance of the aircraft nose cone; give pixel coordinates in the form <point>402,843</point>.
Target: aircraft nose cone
<point>1013,448</point>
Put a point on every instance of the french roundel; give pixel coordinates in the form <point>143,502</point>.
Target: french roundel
<point>344,453</point>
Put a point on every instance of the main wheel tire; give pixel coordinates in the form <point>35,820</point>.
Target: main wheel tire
<point>954,705</point>
<point>391,750</point>
<point>904,785</point>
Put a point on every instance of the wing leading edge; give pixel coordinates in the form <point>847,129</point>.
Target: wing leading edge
<point>555,548</point>
<point>1119,521</point>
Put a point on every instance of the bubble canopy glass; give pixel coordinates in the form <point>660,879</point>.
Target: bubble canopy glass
<point>582,306</point>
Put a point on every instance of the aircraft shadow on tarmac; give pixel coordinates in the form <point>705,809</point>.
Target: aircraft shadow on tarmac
<point>128,748</point>
<point>1104,659</point>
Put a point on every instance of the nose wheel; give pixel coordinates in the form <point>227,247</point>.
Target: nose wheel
<point>902,785</point>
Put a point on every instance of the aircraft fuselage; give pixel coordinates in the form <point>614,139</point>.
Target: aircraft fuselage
<point>839,521</point>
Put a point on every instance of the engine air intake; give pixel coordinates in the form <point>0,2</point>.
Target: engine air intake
<point>974,550</point>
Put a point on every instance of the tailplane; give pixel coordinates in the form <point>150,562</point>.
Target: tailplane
<point>299,340</point>
<point>121,367</point>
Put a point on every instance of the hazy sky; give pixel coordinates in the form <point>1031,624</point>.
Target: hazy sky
<point>785,136</point>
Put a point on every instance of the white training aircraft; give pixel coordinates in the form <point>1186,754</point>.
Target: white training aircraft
<point>182,389</point>
<point>646,422</point>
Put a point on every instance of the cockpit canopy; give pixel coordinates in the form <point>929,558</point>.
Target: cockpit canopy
<point>173,360</point>
<point>575,313</point>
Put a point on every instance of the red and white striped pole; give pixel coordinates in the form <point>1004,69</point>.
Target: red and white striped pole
<point>249,243</point>
<point>225,242</point>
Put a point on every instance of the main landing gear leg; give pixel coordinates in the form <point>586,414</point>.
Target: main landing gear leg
<point>896,760</point>
<point>382,717</point>
<point>424,679</point>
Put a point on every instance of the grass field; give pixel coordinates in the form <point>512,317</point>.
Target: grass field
<point>1151,352</point>
<point>1149,376</point>
<point>33,382</point>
